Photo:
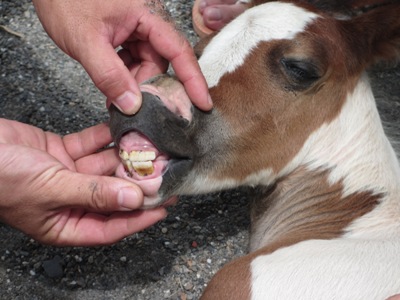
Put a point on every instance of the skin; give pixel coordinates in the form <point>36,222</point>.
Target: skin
<point>217,13</point>
<point>89,31</point>
<point>57,190</point>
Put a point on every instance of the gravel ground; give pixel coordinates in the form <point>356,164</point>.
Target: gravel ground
<point>174,259</point>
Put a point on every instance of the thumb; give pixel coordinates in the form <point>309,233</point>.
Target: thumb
<point>96,193</point>
<point>112,77</point>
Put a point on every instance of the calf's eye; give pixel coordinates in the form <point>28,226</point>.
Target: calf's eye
<point>301,73</point>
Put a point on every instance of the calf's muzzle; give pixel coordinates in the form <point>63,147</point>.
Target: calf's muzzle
<point>170,133</point>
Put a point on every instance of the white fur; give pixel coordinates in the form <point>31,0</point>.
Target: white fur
<point>356,141</point>
<point>353,269</point>
<point>365,263</point>
<point>227,51</point>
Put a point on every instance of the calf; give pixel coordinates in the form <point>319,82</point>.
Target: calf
<point>294,117</point>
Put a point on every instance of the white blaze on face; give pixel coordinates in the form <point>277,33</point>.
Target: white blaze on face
<point>270,21</point>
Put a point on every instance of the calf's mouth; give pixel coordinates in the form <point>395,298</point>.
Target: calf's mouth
<point>155,147</point>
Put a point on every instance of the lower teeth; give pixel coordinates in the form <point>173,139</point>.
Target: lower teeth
<point>144,170</point>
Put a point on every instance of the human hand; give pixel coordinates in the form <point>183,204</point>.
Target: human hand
<point>90,30</point>
<point>54,188</point>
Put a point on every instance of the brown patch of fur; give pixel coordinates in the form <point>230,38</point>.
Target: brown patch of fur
<point>375,35</point>
<point>302,206</point>
<point>231,282</point>
<point>333,7</point>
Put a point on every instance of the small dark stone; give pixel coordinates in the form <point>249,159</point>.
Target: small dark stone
<point>53,267</point>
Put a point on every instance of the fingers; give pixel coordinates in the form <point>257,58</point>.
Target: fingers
<point>87,141</point>
<point>188,71</point>
<point>83,148</point>
<point>176,49</point>
<point>99,210</point>
<point>193,80</point>
<point>90,229</point>
<point>102,163</point>
<point>112,77</point>
<point>94,193</point>
<point>145,60</point>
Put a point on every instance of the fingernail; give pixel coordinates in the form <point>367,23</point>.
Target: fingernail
<point>214,14</point>
<point>128,199</point>
<point>128,103</point>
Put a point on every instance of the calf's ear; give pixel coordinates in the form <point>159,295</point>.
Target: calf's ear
<point>374,36</point>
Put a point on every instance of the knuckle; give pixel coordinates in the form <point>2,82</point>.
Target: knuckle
<point>98,197</point>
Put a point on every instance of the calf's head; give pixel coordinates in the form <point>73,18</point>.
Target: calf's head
<point>276,74</point>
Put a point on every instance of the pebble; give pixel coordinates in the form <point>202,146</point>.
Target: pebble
<point>37,265</point>
<point>53,267</point>
<point>188,286</point>
<point>167,294</point>
<point>23,253</point>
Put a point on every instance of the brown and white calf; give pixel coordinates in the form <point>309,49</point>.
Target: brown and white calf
<point>295,117</point>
